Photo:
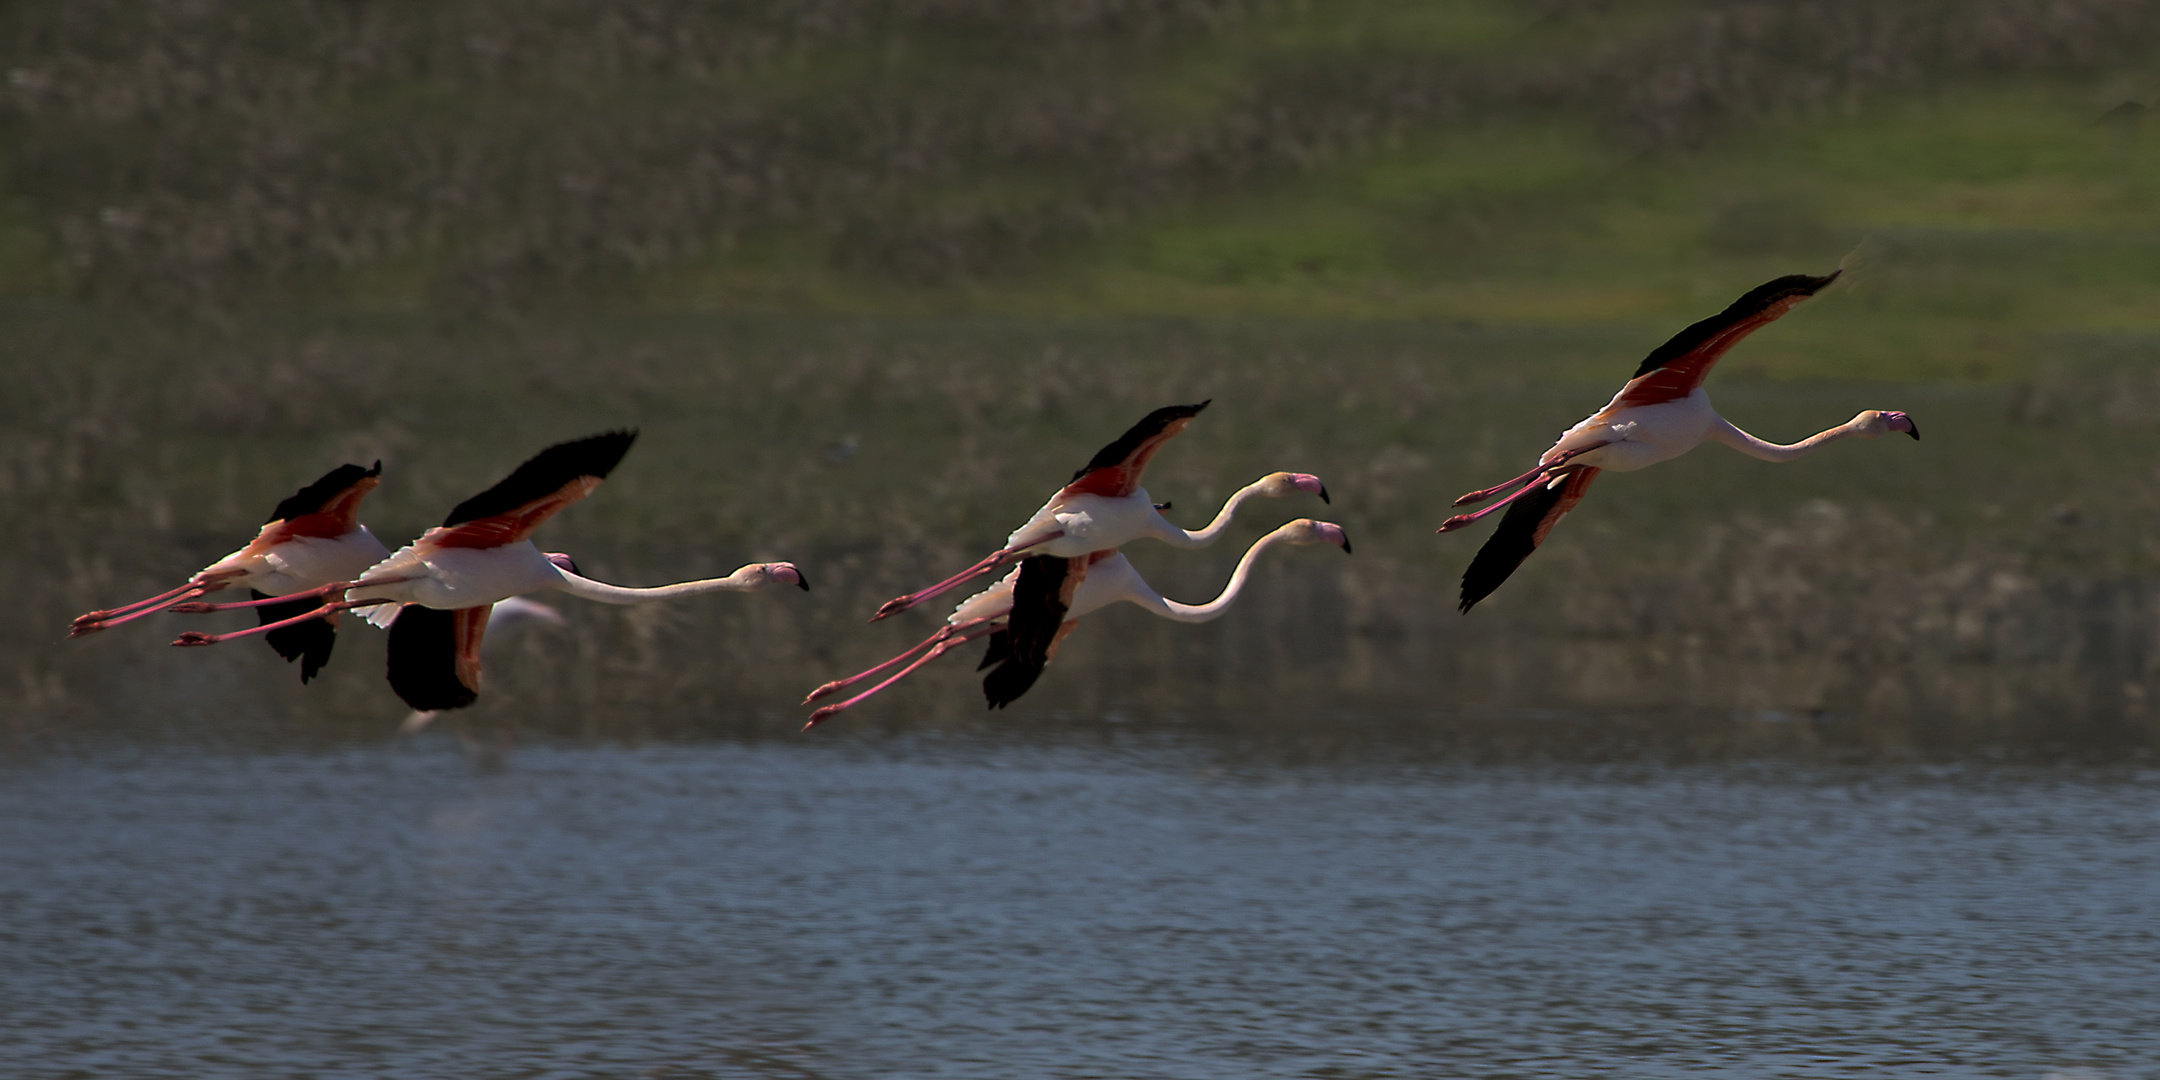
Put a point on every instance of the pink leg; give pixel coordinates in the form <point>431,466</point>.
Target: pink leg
<point>943,633</point>
<point>1546,466</point>
<point>943,647</point>
<point>1460,520</point>
<point>87,625</point>
<point>92,622</point>
<point>196,637</point>
<point>990,564</point>
<point>1486,493</point>
<point>193,608</point>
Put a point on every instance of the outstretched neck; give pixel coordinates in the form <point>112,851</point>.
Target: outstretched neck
<point>746,578</point>
<point>1177,537</point>
<point>1200,613</point>
<point>1724,432</point>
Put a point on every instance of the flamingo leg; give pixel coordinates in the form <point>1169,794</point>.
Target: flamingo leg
<point>86,625</point>
<point>197,637</point>
<point>1483,494</point>
<point>201,584</point>
<point>1542,467</point>
<point>943,633</point>
<point>1460,520</point>
<point>990,563</point>
<point>197,608</point>
<point>943,647</point>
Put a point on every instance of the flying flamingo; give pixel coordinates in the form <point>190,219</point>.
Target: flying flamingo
<point>1031,609</point>
<point>313,537</point>
<point>1104,507</point>
<point>1662,413</point>
<point>434,594</point>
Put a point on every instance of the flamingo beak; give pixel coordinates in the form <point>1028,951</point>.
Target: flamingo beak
<point>1311,485</point>
<point>1901,422</point>
<point>787,574</point>
<point>1333,534</point>
<point>562,561</point>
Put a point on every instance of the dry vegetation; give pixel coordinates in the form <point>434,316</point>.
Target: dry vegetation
<point>486,150</point>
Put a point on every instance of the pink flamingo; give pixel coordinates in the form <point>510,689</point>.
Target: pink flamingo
<point>1104,507</point>
<point>313,537</point>
<point>435,594</point>
<point>1030,610</point>
<point>1662,413</point>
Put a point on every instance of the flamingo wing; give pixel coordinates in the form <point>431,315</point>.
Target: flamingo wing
<point>328,508</point>
<point>309,642</point>
<point>1115,470</point>
<point>435,656</point>
<point>1521,531</point>
<point>1673,370</point>
<point>1040,599</point>
<point>539,489</point>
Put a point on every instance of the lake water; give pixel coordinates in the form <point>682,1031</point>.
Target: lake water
<point>981,907</point>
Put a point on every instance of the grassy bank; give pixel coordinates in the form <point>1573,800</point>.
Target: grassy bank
<point>1993,581</point>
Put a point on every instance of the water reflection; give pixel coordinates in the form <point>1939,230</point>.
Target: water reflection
<point>942,906</point>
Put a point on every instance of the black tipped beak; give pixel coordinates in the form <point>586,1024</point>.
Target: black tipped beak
<point>1915,432</point>
<point>1161,506</point>
<point>1346,544</point>
<point>801,581</point>
<point>1323,495</point>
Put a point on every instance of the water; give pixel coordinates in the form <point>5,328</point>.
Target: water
<point>972,908</point>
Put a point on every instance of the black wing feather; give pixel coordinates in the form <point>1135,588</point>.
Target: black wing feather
<point>1137,436</point>
<point>423,660</point>
<point>1038,610</point>
<point>999,651</point>
<point>311,498</point>
<point>1509,544</point>
<point>1748,306</point>
<point>309,642</point>
<point>546,474</point>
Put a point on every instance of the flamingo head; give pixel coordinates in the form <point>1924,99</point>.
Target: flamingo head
<point>1305,531</point>
<point>1873,423</point>
<point>1285,484</point>
<point>784,573</point>
<point>562,562</point>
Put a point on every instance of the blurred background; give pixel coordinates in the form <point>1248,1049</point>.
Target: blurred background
<point>1838,767</point>
<point>873,276</point>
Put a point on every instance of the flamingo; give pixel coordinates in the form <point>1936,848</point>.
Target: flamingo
<point>434,594</point>
<point>312,538</point>
<point>1104,507</point>
<point>1031,609</point>
<point>1662,413</point>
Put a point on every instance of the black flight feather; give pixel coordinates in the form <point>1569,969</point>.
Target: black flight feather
<point>423,660</point>
<point>1509,544</point>
<point>546,474</point>
<point>999,651</point>
<point>1137,436</point>
<point>1748,306</point>
<point>309,642</point>
<point>1037,612</point>
<point>311,498</point>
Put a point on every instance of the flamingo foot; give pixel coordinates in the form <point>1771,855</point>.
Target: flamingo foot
<point>194,638</point>
<point>825,690</point>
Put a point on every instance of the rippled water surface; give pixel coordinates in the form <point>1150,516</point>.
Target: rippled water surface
<point>941,909</point>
